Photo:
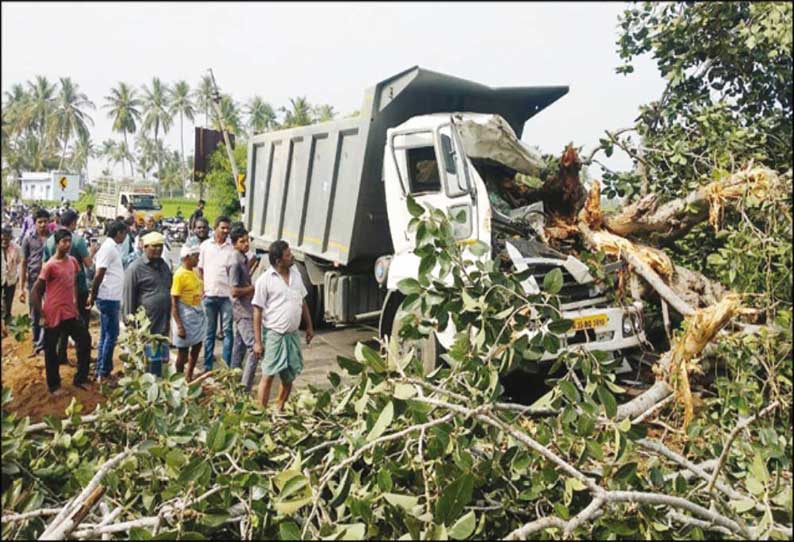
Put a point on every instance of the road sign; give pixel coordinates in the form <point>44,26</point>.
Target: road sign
<point>241,183</point>
<point>63,181</point>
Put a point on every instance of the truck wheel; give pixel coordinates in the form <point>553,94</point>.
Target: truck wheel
<point>314,298</point>
<point>428,349</point>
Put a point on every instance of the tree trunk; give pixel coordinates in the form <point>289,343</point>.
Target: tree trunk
<point>182,147</point>
<point>63,153</point>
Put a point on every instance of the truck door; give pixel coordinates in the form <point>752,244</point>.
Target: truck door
<point>429,166</point>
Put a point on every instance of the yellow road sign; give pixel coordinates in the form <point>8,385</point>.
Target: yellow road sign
<point>241,183</point>
<point>63,181</point>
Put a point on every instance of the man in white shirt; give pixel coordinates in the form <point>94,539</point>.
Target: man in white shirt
<point>215,258</point>
<point>107,290</point>
<point>278,307</point>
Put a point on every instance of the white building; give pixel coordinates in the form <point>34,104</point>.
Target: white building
<point>50,185</point>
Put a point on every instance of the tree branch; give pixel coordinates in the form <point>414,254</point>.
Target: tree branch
<point>732,436</point>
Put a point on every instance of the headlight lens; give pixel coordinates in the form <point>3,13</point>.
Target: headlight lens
<point>382,269</point>
<point>628,325</point>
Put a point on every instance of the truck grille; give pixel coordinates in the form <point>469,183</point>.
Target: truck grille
<point>571,290</point>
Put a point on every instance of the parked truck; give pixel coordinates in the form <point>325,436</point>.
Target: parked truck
<point>337,191</point>
<point>113,197</point>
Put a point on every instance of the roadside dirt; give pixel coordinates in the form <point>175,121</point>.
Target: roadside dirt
<point>25,376</point>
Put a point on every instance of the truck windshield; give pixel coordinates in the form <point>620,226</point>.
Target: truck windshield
<point>145,201</point>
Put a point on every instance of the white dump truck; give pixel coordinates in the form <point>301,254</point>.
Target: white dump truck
<point>337,191</point>
<point>113,197</point>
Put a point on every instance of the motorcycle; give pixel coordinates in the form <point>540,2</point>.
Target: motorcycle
<point>175,229</point>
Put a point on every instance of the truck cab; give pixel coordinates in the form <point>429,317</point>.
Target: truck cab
<point>428,158</point>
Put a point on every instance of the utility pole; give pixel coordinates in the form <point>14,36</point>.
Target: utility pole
<point>216,102</point>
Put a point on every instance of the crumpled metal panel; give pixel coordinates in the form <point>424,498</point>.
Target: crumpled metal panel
<point>490,137</point>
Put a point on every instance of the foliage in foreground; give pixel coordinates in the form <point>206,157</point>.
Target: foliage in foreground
<point>395,453</point>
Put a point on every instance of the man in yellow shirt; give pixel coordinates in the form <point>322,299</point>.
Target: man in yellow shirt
<point>187,313</point>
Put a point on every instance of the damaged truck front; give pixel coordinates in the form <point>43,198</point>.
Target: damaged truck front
<point>337,192</point>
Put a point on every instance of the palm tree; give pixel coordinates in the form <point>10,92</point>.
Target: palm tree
<point>156,111</point>
<point>300,113</point>
<point>230,115</point>
<point>14,117</point>
<point>70,115</point>
<point>82,150</point>
<point>203,96</point>
<point>182,104</point>
<point>324,113</point>
<point>261,116</point>
<point>40,106</point>
<point>124,108</point>
<point>122,153</point>
<point>145,154</point>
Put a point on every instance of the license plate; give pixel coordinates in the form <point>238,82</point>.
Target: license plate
<point>590,322</point>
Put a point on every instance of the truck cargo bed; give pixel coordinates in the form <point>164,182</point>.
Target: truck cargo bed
<point>320,187</point>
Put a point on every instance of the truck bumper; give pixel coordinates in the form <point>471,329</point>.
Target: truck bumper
<point>608,336</point>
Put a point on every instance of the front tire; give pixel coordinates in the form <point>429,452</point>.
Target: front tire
<point>427,349</point>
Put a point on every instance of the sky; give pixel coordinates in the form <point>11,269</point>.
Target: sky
<point>331,52</point>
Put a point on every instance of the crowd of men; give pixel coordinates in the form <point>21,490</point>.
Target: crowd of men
<point>61,275</point>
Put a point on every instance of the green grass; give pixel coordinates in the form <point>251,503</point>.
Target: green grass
<point>187,206</point>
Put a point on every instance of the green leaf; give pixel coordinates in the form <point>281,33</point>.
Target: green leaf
<point>216,437</point>
<point>384,419</point>
<point>369,357</point>
<point>479,249</point>
<point>758,469</point>
<point>568,390</point>
<point>742,505</point>
<point>351,366</point>
<point>625,472</point>
<point>454,497</point>
<point>404,391</point>
<point>343,491</point>
<point>384,479</point>
<point>214,520</point>
<point>175,458</point>
<point>560,326</point>
<point>354,531</point>
<point>553,281</point>
<point>427,264</point>
<point>287,530</point>
<point>407,502</point>
<point>463,528</point>
<point>409,286</point>
<point>414,209</point>
<point>608,400</point>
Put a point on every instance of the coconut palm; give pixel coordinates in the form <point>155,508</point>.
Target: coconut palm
<point>124,153</point>
<point>324,113</point>
<point>182,104</point>
<point>156,112</point>
<point>70,115</point>
<point>82,149</point>
<point>203,96</point>
<point>124,108</point>
<point>261,116</point>
<point>145,154</point>
<point>230,116</point>
<point>299,114</point>
<point>40,106</point>
<point>14,114</point>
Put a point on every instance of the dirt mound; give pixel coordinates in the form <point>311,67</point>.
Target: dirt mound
<point>26,378</point>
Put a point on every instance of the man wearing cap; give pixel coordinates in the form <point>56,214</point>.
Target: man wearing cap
<point>187,331</point>
<point>147,284</point>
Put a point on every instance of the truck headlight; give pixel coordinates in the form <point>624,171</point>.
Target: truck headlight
<point>631,324</point>
<point>382,269</point>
